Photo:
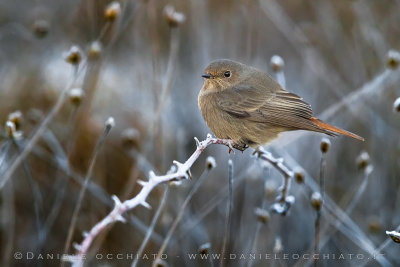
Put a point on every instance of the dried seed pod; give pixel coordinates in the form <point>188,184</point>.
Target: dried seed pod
<point>110,123</point>
<point>10,129</point>
<point>396,105</point>
<point>173,17</point>
<point>205,248</point>
<point>277,63</point>
<point>316,201</point>
<point>112,11</point>
<point>374,225</point>
<point>299,175</point>
<point>40,28</point>
<point>16,118</point>
<point>74,55</point>
<point>161,263</point>
<point>130,137</point>
<point>363,160</point>
<point>94,50</point>
<point>393,59</point>
<point>394,235</point>
<point>325,145</point>
<point>210,162</point>
<point>76,96</point>
<point>262,215</point>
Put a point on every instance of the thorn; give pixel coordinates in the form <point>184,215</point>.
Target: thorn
<point>258,151</point>
<point>177,164</point>
<point>189,174</point>
<point>152,175</point>
<point>77,246</point>
<point>117,202</point>
<point>120,219</point>
<point>142,183</point>
<point>145,204</point>
<point>197,142</point>
<point>183,175</point>
<point>85,234</point>
<point>209,136</point>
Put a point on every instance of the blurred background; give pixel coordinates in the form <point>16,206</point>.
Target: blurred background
<point>76,63</point>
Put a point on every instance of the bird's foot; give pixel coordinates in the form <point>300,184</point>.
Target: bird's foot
<point>230,144</point>
<point>241,146</point>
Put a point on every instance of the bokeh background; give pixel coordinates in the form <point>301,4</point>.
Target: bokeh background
<point>144,69</point>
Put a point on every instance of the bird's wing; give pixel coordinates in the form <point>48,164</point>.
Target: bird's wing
<point>241,100</point>
<point>278,107</point>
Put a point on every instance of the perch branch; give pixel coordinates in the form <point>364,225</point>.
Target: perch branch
<point>284,200</point>
<point>182,172</point>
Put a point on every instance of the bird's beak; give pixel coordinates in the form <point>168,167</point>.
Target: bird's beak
<point>207,76</point>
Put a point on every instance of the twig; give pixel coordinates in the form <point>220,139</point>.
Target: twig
<point>59,186</point>
<point>140,199</point>
<point>211,204</point>
<point>353,202</point>
<point>7,220</point>
<point>152,225</point>
<point>109,124</point>
<point>35,138</point>
<point>253,244</point>
<point>43,126</point>
<point>284,201</point>
<point>356,197</point>
<point>348,227</point>
<point>180,214</point>
<point>5,147</point>
<point>322,175</point>
<point>377,251</point>
<point>97,191</point>
<point>311,57</point>
<point>317,225</point>
<point>166,88</point>
<point>37,196</point>
<point>318,201</point>
<point>228,215</point>
<point>162,97</point>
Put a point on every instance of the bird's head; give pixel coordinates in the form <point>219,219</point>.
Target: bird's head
<point>222,74</point>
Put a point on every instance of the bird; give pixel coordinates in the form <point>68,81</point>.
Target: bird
<point>247,106</point>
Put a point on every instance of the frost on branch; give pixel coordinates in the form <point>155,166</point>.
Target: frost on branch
<point>182,171</point>
<point>283,201</point>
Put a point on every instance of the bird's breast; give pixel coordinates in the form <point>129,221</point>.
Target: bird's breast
<point>213,115</point>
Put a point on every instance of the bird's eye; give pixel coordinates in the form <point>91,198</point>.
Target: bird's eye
<point>227,74</point>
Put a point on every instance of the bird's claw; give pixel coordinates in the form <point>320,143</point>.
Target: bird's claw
<point>230,146</point>
<point>241,146</point>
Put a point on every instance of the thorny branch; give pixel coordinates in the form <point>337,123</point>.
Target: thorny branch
<point>182,172</point>
<point>284,201</point>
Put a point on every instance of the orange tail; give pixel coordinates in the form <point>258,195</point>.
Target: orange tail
<point>334,129</point>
